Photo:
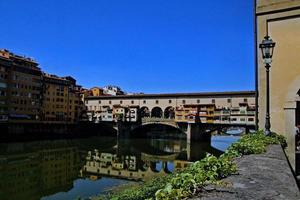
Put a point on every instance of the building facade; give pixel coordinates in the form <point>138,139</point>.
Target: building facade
<point>96,91</point>
<point>20,88</point>
<point>61,99</point>
<point>112,90</point>
<point>280,19</point>
<point>210,107</point>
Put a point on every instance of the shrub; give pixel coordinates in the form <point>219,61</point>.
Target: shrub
<point>254,144</point>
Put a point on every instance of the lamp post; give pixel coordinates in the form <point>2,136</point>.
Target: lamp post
<point>267,48</point>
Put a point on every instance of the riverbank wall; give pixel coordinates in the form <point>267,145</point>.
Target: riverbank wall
<point>260,176</point>
<point>38,131</point>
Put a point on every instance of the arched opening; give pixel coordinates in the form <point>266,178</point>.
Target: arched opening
<point>144,112</point>
<point>157,112</point>
<point>158,131</point>
<point>169,113</point>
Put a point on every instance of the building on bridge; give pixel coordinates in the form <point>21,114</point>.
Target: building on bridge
<point>218,107</point>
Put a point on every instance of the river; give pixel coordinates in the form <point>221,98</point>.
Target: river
<point>68,169</point>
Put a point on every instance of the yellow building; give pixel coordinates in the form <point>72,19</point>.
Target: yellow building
<point>61,99</point>
<point>187,113</point>
<point>280,19</point>
<point>96,91</point>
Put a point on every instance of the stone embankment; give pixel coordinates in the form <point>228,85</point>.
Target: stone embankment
<point>260,176</point>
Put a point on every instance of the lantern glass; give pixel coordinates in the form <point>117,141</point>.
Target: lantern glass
<point>267,49</point>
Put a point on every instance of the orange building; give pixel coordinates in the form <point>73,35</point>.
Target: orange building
<point>61,99</point>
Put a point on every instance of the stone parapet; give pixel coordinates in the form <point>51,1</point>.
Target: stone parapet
<point>260,176</point>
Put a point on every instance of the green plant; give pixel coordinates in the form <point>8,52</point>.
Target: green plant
<point>254,143</point>
<point>206,171</point>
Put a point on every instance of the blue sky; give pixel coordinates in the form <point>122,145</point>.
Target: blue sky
<point>151,46</point>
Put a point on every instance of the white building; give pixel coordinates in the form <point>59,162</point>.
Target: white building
<point>112,90</point>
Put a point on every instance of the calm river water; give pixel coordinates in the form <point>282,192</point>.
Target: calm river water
<point>68,169</point>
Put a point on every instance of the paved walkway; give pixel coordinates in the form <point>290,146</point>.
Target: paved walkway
<point>263,176</point>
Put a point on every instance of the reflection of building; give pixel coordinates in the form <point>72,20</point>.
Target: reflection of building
<point>20,177</point>
<point>41,172</point>
<point>280,19</point>
<point>20,88</point>
<point>126,167</point>
<point>58,167</point>
<point>61,101</point>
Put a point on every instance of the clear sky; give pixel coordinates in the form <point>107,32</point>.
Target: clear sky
<point>151,46</point>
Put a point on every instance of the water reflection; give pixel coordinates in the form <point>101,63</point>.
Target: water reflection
<point>66,169</point>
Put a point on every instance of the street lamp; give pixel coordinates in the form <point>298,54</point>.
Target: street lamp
<point>267,48</point>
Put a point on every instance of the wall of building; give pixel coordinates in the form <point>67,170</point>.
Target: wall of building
<point>61,100</point>
<point>281,20</point>
<point>20,88</point>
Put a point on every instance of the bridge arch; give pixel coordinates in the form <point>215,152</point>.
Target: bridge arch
<point>144,112</point>
<point>169,113</point>
<point>158,130</point>
<point>157,112</point>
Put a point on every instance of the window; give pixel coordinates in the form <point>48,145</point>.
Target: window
<point>98,102</point>
<point>243,119</point>
<point>3,85</point>
<point>132,102</point>
<point>183,101</point>
<point>250,119</point>
<point>144,102</point>
<point>228,100</point>
<point>170,101</point>
<point>198,100</point>
<point>156,101</point>
<point>245,100</point>
<point>121,102</point>
<point>213,101</point>
<point>109,102</point>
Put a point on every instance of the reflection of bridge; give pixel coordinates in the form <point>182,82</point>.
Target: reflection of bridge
<point>141,165</point>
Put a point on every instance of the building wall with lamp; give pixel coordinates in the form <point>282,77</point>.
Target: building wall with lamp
<point>280,19</point>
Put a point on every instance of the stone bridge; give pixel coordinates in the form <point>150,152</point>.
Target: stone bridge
<point>194,131</point>
<point>156,120</point>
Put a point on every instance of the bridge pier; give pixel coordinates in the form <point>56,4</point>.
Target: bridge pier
<point>196,132</point>
<point>124,129</point>
<point>246,129</point>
